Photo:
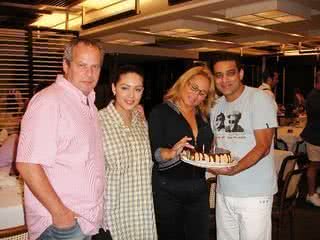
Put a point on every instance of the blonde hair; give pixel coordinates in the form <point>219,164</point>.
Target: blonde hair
<point>174,93</point>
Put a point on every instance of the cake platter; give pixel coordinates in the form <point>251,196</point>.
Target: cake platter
<point>206,164</point>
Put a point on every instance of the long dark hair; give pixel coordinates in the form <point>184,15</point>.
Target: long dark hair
<point>124,69</point>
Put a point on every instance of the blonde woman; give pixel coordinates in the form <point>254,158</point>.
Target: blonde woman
<point>129,211</point>
<point>180,190</point>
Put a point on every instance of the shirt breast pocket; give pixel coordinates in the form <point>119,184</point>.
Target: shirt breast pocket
<point>73,145</point>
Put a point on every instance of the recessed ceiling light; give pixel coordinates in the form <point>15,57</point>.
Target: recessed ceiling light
<point>128,39</point>
<point>272,14</point>
<point>248,18</point>
<point>183,27</point>
<point>289,18</point>
<point>265,22</point>
<point>182,30</point>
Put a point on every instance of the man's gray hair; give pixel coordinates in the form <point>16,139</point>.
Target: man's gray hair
<point>74,42</point>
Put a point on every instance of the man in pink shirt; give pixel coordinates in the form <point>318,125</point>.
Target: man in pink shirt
<point>60,152</point>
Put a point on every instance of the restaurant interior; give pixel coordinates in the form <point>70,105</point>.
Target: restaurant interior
<point>164,38</point>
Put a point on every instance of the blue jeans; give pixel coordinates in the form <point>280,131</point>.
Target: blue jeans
<point>72,233</point>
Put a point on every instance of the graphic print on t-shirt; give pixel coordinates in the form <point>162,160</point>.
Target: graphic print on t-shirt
<point>233,120</point>
<point>220,122</point>
<point>232,124</point>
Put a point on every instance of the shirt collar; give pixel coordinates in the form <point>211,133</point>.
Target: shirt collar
<point>72,89</point>
<point>118,119</point>
<point>266,85</point>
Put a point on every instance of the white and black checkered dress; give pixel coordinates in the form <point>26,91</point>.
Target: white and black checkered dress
<point>128,210</point>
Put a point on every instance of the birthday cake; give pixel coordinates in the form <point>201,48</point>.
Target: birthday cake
<point>222,157</point>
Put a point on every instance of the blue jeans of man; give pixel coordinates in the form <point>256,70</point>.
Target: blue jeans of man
<point>72,233</point>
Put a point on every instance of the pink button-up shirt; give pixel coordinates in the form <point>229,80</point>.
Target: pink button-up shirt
<point>61,132</point>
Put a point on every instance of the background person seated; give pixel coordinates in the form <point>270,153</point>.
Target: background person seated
<point>8,152</point>
<point>298,102</point>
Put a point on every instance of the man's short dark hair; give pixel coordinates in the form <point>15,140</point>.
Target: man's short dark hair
<point>227,57</point>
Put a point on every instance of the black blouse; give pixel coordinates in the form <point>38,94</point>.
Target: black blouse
<point>311,132</point>
<point>166,127</point>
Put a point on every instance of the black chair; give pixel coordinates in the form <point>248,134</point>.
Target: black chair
<point>280,144</point>
<point>285,204</point>
<point>288,164</point>
<point>301,151</point>
<point>300,145</point>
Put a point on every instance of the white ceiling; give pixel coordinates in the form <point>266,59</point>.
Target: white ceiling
<point>223,33</point>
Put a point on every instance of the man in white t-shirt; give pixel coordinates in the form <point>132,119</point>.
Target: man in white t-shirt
<point>245,191</point>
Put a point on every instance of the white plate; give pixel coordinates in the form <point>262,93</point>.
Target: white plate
<point>205,164</point>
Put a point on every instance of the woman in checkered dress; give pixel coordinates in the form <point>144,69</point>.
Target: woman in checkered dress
<point>129,211</point>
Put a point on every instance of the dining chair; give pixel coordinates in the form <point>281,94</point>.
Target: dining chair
<point>301,151</point>
<point>300,147</point>
<point>14,233</point>
<point>280,144</point>
<point>288,164</point>
<point>285,204</point>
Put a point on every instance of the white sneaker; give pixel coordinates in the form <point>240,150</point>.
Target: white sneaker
<point>314,199</point>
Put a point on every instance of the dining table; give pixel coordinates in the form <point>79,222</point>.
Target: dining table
<point>11,200</point>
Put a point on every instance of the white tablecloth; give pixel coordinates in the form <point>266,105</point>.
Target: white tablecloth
<point>11,204</point>
<point>291,135</point>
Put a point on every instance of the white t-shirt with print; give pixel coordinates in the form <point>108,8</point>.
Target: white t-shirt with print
<point>253,110</point>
